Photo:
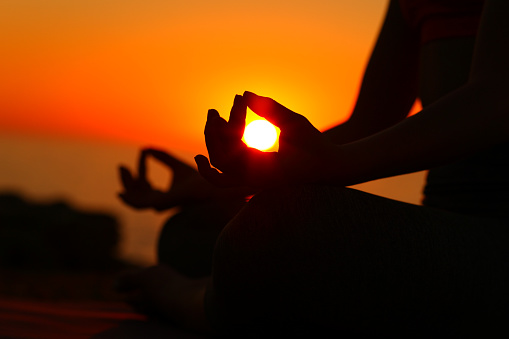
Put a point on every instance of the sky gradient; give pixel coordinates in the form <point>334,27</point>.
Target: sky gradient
<point>145,72</point>
<point>85,83</point>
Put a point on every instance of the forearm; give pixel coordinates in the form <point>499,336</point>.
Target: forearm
<point>466,121</point>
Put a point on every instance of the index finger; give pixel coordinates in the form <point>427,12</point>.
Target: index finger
<point>215,131</point>
<point>271,110</point>
<point>237,120</point>
<point>126,177</point>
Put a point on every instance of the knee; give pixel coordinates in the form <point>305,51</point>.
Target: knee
<point>279,237</point>
<point>287,248</point>
<point>289,212</point>
<point>291,219</point>
<point>254,245</point>
<point>273,217</point>
<point>308,230</point>
<point>187,239</point>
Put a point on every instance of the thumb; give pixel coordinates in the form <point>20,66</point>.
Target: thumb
<point>271,110</point>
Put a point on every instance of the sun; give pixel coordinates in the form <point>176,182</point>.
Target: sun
<point>260,134</point>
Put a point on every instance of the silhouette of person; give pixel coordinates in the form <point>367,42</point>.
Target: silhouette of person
<point>308,256</point>
<point>187,239</point>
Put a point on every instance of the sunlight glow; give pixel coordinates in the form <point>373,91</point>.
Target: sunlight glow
<point>260,134</point>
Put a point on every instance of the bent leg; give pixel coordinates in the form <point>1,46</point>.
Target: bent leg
<point>318,257</point>
<point>187,239</point>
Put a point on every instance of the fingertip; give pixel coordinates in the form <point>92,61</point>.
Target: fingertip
<point>200,158</point>
<point>124,172</point>
<point>203,165</point>
<point>202,162</point>
<point>239,101</point>
<point>211,113</point>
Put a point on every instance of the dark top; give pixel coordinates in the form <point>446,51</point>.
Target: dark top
<point>437,19</point>
<point>476,185</point>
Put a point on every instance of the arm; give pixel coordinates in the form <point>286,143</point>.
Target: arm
<point>470,119</point>
<point>389,85</point>
<point>187,186</point>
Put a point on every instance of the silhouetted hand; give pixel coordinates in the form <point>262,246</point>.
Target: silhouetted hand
<point>304,155</point>
<point>187,185</point>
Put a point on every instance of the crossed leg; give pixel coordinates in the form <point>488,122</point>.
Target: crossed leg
<point>187,240</point>
<point>304,259</point>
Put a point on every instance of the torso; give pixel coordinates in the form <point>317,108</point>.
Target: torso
<point>478,184</point>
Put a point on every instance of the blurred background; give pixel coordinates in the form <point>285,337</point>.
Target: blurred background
<point>84,84</point>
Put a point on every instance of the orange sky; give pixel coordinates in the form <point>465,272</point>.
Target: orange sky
<point>146,71</point>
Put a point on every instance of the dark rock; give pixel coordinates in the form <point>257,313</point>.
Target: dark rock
<point>55,236</point>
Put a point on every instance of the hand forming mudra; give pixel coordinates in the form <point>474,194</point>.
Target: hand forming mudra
<point>304,156</point>
<point>187,185</point>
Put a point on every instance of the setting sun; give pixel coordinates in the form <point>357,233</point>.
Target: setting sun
<point>260,134</point>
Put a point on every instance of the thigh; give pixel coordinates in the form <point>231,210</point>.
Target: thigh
<point>332,256</point>
<point>187,239</point>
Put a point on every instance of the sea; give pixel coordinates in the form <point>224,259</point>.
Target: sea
<point>84,174</point>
